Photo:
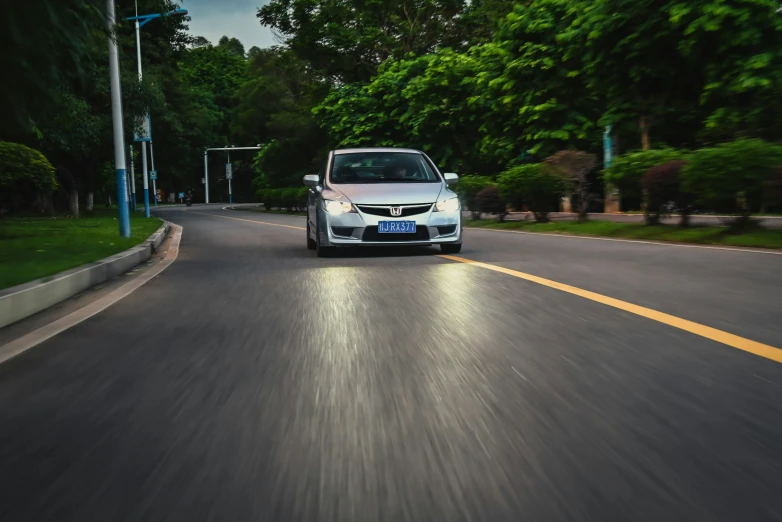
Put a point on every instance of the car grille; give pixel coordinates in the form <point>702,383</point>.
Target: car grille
<point>372,235</point>
<point>385,211</point>
<point>446,230</point>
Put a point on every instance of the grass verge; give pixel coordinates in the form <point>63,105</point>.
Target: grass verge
<point>262,211</point>
<point>757,238</point>
<point>35,247</point>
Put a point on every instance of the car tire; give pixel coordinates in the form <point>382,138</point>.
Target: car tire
<point>311,244</point>
<point>451,248</point>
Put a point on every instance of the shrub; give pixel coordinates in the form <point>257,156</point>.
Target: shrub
<point>627,171</point>
<point>537,186</point>
<point>25,175</point>
<point>488,200</point>
<point>575,166</point>
<point>468,188</point>
<point>662,187</point>
<point>733,178</point>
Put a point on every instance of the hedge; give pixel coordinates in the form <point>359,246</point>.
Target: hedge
<point>289,199</point>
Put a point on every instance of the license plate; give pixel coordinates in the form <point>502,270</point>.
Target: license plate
<point>396,227</point>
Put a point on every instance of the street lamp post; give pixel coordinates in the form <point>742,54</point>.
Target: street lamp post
<point>119,133</point>
<point>142,20</point>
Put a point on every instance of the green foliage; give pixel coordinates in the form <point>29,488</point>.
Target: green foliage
<point>533,77</point>
<point>274,108</point>
<point>627,171</point>
<point>426,103</point>
<point>42,44</point>
<point>662,185</point>
<point>25,174</point>
<point>289,199</point>
<point>349,39</point>
<point>735,177</point>
<point>468,188</point>
<point>489,201</point>
<point>536,186</point>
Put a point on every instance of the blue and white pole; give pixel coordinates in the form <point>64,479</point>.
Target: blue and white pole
<point>119,134</point>
<point>152,157</point>
<point>143,143</point>
<point>132,180</point>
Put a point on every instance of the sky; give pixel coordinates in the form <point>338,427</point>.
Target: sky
<point>234,18</point>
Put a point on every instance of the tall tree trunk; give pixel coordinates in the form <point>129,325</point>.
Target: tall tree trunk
<point>645,144</point>
<point>73,202</point>
<point>72,190</point>
<point>90,171</point>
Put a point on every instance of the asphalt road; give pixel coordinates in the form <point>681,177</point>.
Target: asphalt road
<point>253,381</point>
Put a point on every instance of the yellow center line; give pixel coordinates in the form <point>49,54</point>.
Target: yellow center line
<point>249,220</point>
<point>734,341</point>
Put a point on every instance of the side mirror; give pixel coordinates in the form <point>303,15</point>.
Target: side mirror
<point>451,178</point>
<point>311,180</point>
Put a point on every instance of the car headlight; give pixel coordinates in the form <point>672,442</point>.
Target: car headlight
<point>337,207</point>
<point>447,205</point>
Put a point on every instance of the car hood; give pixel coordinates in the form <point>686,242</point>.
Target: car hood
<point>390,193</point>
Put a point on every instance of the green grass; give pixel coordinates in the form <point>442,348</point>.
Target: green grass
<point>756,238</point>
<point>35,247</point>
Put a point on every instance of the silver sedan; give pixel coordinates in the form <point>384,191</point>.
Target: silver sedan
<point>372,197</point>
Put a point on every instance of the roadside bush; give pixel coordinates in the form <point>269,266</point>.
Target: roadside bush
<point>662,185</point>
<point>627,171</point>
<point>289,199</point>
<point>734,178</point>
<point>537,186</point>
<point>575,166</point>
<point>468,188</point>
<point>26,177</point>
<point>488,201</point>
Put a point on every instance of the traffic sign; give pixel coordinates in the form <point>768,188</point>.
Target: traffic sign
<point>228,171</point>
<point>181,195</point>
<point>153,175</point>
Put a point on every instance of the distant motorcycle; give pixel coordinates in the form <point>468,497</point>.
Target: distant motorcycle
<point>189,201</point>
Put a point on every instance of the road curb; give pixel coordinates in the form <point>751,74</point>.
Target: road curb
<point>19,302</point>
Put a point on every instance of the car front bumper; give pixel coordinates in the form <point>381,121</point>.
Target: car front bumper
<point>360,229</point>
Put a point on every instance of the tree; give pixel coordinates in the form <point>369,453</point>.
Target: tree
<point>535,186</point>
<point>468,189</point>
<point>631,54</point>
<point>734,178</point>
<point>231,45</point>
<point>25,175</point>
<point>274,108</point>
<point>348,39</point>
<point>489,201</point>
<point>41,44</point>
<point>575,167</point>
<point>662,185</point>
<point>627,171</point>
<point>540,100</point>
<point>427,102</point>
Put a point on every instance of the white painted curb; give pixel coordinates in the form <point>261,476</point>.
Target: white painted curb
<point>19,302</point>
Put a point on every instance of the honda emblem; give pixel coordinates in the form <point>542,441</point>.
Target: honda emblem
<point>396,211</point>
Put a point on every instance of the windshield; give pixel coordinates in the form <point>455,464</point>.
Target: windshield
<point>382,167</point>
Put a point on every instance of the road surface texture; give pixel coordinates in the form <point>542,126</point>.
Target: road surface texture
<point>252,381</point>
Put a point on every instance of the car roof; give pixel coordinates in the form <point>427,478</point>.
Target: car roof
<point>376,149</point>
